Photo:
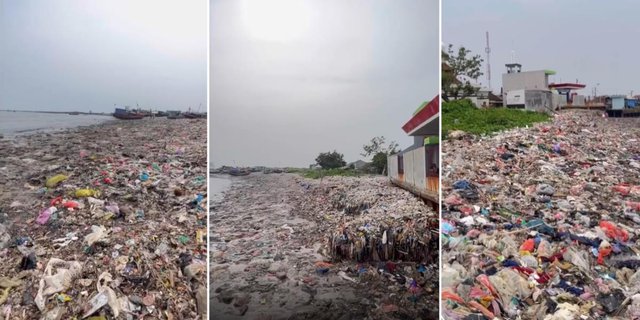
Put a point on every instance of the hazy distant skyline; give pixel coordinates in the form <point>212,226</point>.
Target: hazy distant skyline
<point>89,55</point>
<point>291,79</point>
<point>588,40</point>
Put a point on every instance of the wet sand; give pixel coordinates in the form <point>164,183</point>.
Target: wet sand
<point>269,260</point>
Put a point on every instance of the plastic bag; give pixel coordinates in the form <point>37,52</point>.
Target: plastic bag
<point>66,272</point>
<point>55,180</point>
<point>83,193</point>
<point>98,234</point>
<point>45,215</point>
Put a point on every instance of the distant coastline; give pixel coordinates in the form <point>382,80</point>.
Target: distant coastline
<point>60,112</point>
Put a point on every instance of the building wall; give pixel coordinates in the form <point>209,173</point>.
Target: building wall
<point>558,100</point>
<point>617,103</point>
<point>579,100</point>
<point>528,80</point>
<point>392,166</point>
<point>514,98</point>
<point>419,168</point>
<point>538,100</point>
<point>535,100</point>
<point>415,169</point>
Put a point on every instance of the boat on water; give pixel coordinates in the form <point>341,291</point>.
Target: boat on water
<point>174,115</point>
<point>75,113</point>
<point>193,115</point>
<point>126,114</point>
<point>239,172</point>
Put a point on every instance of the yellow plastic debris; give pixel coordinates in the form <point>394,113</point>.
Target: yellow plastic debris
<point>200,235</point>
<point>83,193</point>
<point>64,298</point>
<point>53,181</point>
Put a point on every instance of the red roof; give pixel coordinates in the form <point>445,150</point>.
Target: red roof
<point>567,85</point>
<point>420,118</point>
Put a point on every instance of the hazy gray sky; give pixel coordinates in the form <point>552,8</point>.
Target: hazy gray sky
<point>293,78</point>
<point>589,40</point>
<point>89,55</point>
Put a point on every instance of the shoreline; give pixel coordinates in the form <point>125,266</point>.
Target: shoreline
<point>218,186</point>
<point>143,229</point>
<point>52,130</point>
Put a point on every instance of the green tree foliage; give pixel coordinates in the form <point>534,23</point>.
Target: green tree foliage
<point>380,151</point>
<point>379,162</point>
<point>330,160</point>
<point>460,68</point>
<point>377,145</point>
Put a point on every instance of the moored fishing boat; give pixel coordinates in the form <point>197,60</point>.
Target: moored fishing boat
<point>126,114</point>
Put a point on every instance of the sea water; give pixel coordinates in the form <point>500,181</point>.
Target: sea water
<point>16,123</point>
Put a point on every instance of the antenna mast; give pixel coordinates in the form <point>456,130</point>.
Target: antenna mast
<point>488,51</point>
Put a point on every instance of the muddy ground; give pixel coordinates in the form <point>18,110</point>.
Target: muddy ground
<point>270,260</point>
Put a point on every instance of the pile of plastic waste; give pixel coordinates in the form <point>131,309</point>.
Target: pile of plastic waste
<point>105,222</point>
<point>541,222</point>
<point>372,220</point>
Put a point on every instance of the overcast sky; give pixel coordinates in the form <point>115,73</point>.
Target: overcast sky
<point>291,79</point>
<point>589,40</point>
<point>89,55</point>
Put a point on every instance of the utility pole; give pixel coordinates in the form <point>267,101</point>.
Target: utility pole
<point>488,51</point>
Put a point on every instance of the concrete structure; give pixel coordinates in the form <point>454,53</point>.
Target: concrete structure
<point>531,90</point>
<point>565,90</point>
<point>484,98</point>
<point>417,168</point>
<point>527,90</point>
<point>579,100</point>
<point>622,106</point>
<point>617,102</point>
<point>535,100</point>
<point>528,80</point>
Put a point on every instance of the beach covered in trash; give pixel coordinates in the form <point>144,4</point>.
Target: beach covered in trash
<point>105,222</point>
<point>287,247</point>
<point>542,222</point>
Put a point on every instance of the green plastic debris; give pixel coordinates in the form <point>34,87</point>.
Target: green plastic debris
<point>183,239</point>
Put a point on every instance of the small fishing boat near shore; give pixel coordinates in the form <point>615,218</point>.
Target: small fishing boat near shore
<point>193,115</point>
<point>126,114</point>
<point>239,172</point>
<point>174,115</point>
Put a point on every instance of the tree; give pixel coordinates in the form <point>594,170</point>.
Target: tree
<point>330,160</point>
<point>379,162</point>
<point>380,152</point>
<point>457,70</point>
<point>378,145</point>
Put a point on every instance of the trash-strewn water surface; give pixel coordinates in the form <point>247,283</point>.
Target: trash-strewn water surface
<point>217,187</point>
<point>12,123</point>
